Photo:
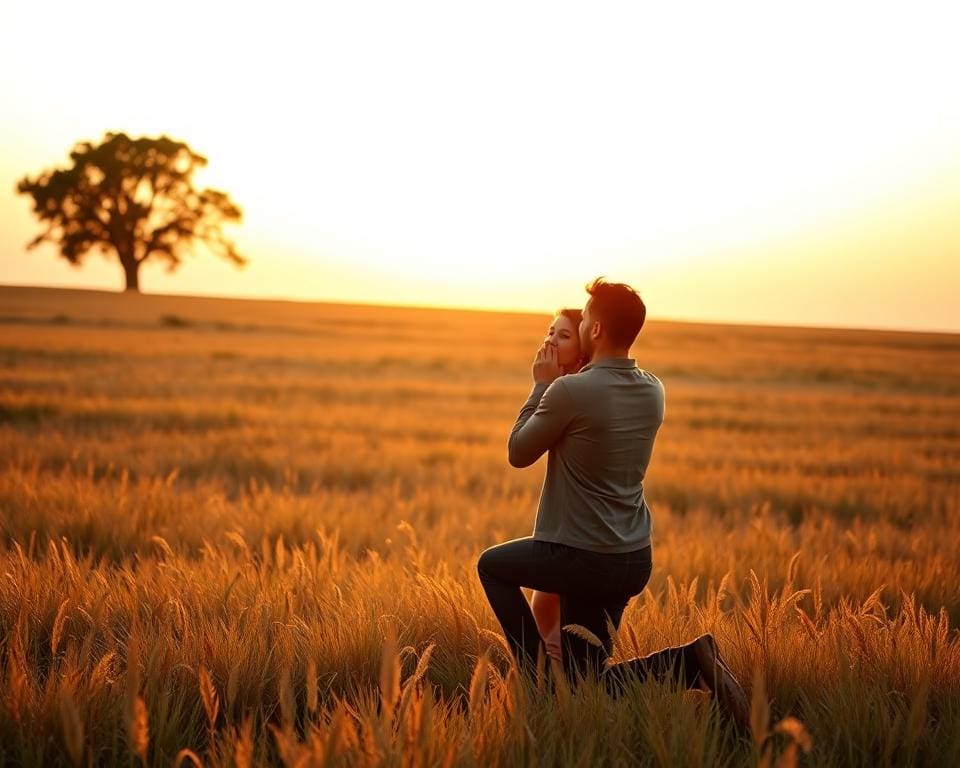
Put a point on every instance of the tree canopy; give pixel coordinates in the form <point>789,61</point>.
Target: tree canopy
<point>132,198</point>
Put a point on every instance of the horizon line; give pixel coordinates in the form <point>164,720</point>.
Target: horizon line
<point>491,310</point>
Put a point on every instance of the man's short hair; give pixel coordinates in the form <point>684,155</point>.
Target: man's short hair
<point>619,308</point>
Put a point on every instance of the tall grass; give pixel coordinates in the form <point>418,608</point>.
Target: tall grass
<point>250,537</point>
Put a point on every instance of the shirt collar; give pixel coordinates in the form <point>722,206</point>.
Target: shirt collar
<point>611,362</point>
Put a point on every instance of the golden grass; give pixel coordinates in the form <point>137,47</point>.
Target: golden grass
<point>237,532</point>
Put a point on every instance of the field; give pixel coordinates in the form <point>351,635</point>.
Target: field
<point>236,532</point>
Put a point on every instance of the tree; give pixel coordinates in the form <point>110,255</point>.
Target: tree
<point>133,198</point>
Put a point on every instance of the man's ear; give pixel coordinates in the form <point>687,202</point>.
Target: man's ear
<point>596,329</point>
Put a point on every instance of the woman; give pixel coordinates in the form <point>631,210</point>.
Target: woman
<point>564,333</point>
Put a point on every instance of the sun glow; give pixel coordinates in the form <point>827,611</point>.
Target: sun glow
<point>423,153</point>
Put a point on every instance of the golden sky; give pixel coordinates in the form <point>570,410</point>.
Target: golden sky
<point>745,162</point>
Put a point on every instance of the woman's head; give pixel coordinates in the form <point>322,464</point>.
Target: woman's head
<point>564,332</point>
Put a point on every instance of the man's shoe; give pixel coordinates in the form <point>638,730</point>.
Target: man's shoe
<point>722,681</point>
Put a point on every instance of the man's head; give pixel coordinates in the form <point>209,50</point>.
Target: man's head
<point>612,317</point>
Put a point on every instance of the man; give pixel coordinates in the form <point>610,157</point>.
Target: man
<point>591,539</point>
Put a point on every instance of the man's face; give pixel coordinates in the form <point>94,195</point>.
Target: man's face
<point>586,343</point>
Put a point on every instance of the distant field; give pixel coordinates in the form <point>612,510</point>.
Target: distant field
<point>249,497</point>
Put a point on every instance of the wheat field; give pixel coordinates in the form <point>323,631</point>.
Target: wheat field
<point>245,532</point>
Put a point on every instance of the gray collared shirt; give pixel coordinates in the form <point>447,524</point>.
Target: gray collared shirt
<point>597,427</point>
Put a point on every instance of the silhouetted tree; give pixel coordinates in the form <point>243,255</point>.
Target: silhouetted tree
<point>134,198</point>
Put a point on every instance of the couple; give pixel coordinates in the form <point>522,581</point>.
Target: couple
<point>596,415</point>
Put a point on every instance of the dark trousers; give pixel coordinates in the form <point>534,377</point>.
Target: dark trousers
<point>594,590</point>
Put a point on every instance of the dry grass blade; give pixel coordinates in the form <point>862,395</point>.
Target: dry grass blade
<point>334,737</point>
<point>138,730</point>
<point>72,725</point>
<point>163,546</point>
<point>692,591</point>
<point>634,640</point>
<point>208,693</point>
<point>478,681</point>
<point>759,710</point>
<point>238,540</point>
<point>614,633</point>
<point>133,663</point>
<point>873,602</point>
<point>723,589</point>
<point>390,672</point>
<point>807,622</point>
<point>58,624</point>
<point>243,748</point>
<point>102,673</point>
<point>187,754</point>
<point>499,642</point>
<point>311,686</point>
<point>288,702</point>
<point>233,688</point>
<point>16,692</point>
<point>792,568</point>
<point>584,634</point>
<point>422,665</point>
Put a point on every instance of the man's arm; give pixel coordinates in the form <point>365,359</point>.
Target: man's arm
<point>541,423</point>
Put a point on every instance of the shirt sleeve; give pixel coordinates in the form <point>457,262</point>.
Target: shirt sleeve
<point>542,421</point>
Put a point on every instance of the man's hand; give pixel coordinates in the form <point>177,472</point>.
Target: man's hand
<point>545,365</point>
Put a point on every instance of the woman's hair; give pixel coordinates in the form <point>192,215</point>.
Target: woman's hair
<point>575,316</point>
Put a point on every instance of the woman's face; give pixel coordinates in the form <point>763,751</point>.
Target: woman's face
<point>566,337</point>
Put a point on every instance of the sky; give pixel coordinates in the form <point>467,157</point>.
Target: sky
<point>761,162</point>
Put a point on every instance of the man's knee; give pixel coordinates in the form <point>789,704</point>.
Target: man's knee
<point>491,565</point>
<point>484,563</point>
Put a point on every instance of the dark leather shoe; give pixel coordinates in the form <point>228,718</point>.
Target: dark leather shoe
<point>724,684</point>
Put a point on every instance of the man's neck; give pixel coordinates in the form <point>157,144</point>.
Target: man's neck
<point>609,354</point>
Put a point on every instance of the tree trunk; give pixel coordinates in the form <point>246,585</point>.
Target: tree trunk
<point>131,268</point>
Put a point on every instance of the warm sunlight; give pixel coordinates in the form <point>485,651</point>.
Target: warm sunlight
<point>499,157</point>
<point>314,450</point>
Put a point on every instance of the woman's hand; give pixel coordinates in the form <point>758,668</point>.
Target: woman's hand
<point>545,365</point>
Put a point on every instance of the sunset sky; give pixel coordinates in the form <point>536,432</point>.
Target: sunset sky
<point>745,162</point>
